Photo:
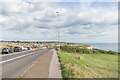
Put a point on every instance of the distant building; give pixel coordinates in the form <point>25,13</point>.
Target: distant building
<point>90,47</point>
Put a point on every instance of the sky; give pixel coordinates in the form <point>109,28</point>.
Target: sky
<point>81,22</point>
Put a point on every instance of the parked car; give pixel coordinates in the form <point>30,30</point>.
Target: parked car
<point>17,49</point>
<point>28,48</point>
<point>32,47</point>
<point>25,48</point>
<point>35,46</point>
<point>6,50</point>
<point>22,48</point>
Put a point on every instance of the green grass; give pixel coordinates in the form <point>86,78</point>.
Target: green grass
<point>77,65</point>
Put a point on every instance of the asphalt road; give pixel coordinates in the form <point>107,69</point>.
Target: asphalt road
<point>16,63</point>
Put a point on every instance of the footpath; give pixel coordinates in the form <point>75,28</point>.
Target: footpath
<point>47,66</point>
<point>55,69</point>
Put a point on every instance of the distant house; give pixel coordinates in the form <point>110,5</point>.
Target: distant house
<point>89,47</point>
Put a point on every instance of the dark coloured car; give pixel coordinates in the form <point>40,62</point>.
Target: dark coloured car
<point>35,46</point>
<point>6,50</point>
<point>28,48</point>
<point>17,49</point>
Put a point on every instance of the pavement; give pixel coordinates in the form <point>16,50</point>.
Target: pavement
<point>55,67</point>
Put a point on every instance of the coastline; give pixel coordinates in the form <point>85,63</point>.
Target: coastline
<point>104,46</point>
<point>103,50</point>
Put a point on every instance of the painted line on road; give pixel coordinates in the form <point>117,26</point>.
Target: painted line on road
<point>14,53</point>
<point>17,57</point>
<point>34,63</point>
<point>10,54</point>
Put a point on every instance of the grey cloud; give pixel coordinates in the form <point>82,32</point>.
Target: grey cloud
<point>43,27</point>
<point>95,35</point>
<point>43,20</point>
<point>73,32</point>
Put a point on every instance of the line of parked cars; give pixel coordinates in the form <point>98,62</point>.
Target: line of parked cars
<point>15,49</point>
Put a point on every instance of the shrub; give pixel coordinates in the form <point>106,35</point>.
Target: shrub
<point>75,49</point>
<point>71,49</point>
<point>112,52</point>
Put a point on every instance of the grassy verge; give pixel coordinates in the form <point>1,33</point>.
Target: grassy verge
<point>77,65</point>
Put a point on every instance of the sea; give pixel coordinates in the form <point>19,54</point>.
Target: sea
<point>105,46</point>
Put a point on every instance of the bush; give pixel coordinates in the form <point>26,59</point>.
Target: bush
<point>102,51</point>
<point>71,49</point>
<point>75,49</point>
<point>112,52</point>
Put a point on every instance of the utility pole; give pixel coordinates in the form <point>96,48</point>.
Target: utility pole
<point>58,31</point>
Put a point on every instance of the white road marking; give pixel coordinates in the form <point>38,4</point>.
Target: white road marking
<point>17,57</point>
<point>9,54</point>
<point>13,53</point>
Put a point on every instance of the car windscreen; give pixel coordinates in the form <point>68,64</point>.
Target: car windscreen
<point>16,47</point>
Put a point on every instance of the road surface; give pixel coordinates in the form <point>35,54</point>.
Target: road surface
<point>16,63</point>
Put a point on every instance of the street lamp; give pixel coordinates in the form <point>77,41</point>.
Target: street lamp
<point>58,31</point>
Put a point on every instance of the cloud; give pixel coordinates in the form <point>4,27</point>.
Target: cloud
<point>17,8</point>
<point>39,21</point>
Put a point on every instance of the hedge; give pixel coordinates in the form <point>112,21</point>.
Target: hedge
<point>75,49</point>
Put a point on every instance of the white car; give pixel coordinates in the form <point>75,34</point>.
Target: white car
<point>25,48</point>
<point>22,47</point>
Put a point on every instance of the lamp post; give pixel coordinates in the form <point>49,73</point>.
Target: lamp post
<point>58,31</point>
